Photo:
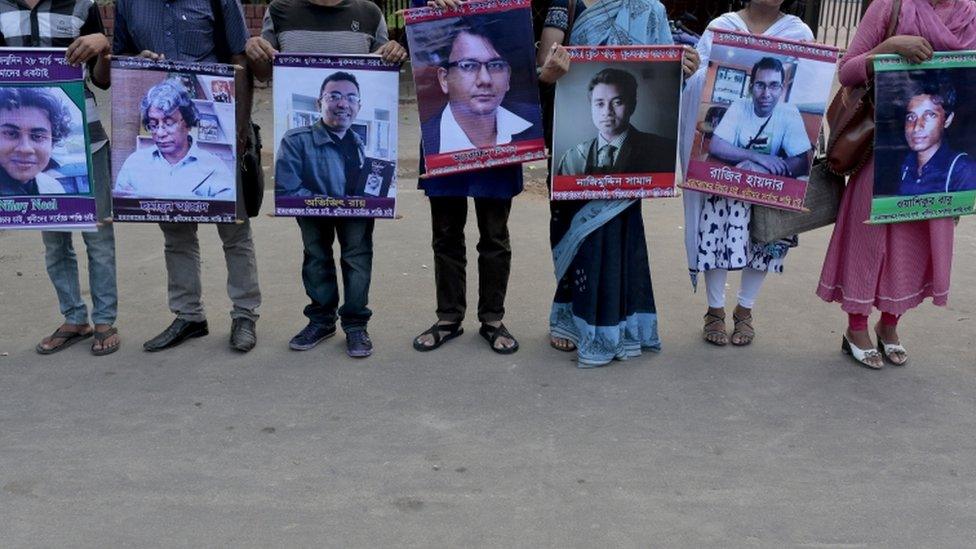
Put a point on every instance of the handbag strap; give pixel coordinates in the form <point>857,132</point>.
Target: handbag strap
<point>893,19</point>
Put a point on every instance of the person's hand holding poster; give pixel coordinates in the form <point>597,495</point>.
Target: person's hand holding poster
<point>174,144</point>
<point>925,130</point>
<point>477,95</point>
<point>45,160</point>
<point>759,119</point>
<point>628,148</point>
<point>336,135</point>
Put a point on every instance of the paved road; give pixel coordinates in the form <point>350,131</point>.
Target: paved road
<point>786,443</point>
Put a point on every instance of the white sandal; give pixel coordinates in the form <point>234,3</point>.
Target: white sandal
<point>888,349</point>
<point>862,356</point>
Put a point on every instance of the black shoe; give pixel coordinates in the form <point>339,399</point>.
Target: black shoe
<point>310,336</point>
<point>243,335</point>
<point>177,332</point>
<point>358,344</point>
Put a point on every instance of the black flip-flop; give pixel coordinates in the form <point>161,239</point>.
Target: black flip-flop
<point>452,331</point>
<point>70,338</point>
<point>491,334</point>
<point>100,338</point>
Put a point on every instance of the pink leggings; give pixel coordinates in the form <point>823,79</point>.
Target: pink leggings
<point>859,323</point>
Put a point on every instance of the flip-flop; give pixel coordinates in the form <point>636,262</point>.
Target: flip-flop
<point>452,331</point>
<point>491,334</point>
<point>100,338</point>
<point>70,338</point>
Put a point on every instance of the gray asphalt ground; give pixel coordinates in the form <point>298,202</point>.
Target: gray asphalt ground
<point>784,443</point>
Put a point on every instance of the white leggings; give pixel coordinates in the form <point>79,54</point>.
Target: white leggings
<point>748,291</point>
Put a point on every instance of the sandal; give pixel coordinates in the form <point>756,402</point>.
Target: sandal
<point>719,338</point>
<point>869,358</point>
<point>451,331</point>
<point>888,350</point>
<point>491,334</point>
<point>746,334</point>
<point>567,348</point>
<point>70,338</point>
<point>100,338</point>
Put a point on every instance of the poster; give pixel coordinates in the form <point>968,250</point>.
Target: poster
<point>627,147</point>
<point>477,94</point>
<point>925,138</point>
<point>759,119</point>
<point>45,150</point>
<point>335,135</point>
<point>174,141</point>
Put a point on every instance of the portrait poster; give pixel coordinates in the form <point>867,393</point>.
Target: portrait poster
<point>45,149</point>
<point>477,94</point>
<point>759,119</point>
<point>628,145</point>
<point>335,135</point>
<point>925,138</point>
<point>174,141</point>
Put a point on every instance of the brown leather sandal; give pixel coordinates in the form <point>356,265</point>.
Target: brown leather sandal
<point>743,333</point>
<point>719,338</point>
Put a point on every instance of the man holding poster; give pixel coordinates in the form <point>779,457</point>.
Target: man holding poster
<point>191,31</point>
<point>323,26</point>
<point>86,44</point>
<point>760,134</point>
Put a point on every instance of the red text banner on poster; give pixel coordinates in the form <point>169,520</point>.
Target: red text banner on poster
<point>613,186</point>
<point>479,159</point>
<point>419,15</point>
<point>784,193</point>
<point>779,46</point>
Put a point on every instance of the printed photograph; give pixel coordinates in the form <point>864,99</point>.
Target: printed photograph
<point>476,85</point>
<point>925,132</point>
<point>761,112</point>
<point>335,132</point>
<point>42,143</point>
<point>632,125</point>
<point>174,136</point>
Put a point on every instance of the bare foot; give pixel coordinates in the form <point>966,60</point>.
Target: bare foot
<point>49,342</point>
<point>561,344</point>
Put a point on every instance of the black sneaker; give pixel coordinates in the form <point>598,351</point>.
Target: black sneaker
<point>310,336</point>
<point>243,334</point>
<point>358,344</point>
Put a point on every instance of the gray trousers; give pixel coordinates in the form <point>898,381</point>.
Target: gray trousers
<point>183,269</point>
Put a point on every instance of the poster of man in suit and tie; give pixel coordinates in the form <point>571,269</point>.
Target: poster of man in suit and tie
<point>628,146</point>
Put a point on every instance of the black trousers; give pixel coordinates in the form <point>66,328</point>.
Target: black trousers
<point>448,217</point>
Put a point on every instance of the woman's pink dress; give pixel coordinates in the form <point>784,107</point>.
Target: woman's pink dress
<point>892,267</point>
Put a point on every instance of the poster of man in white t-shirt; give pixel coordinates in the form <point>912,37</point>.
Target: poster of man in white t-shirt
<point>760,134</point>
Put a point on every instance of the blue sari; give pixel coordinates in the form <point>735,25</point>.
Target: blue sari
<point>604,301</point>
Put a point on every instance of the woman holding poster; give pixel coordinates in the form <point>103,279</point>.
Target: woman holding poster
<point>604,304</point>
<point>892,267</point>
<point>717,228</point>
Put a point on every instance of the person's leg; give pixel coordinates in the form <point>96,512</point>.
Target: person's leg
<point>102,281</point>
<point>182,251</point>
<point>62,269</point>
<point>494,263</point>
<point>714,328</point>
<point>318,270</point>
<point>356,258</point>
<point>447,219</point>
<point>752,281</point>
<point>242,269</point>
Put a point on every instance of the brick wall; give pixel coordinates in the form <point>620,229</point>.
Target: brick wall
<point>253,15</point>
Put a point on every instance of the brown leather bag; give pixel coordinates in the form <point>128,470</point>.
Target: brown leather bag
<point>850,118</point>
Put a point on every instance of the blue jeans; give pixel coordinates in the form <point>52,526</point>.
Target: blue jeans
<point>62,263</point>
<point>62,267</point>
<point>319,271</point>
